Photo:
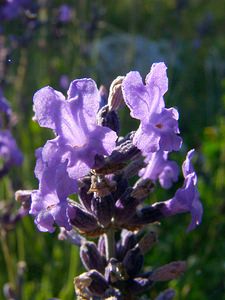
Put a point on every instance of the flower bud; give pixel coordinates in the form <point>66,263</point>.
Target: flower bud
<point>133,261</point>
<point>81,284</point>
<point>91,283</point>
<point>168,272</point>
<point>139,285</point>
<point>121,185</point>
<point>115,272</point>
<point>134,167</point>
<point>128,241</point>
<point>146,215</point>
<point>146,243</point>
<point>82,220</point>
<point>115,100</point>
<point>103,208</point>
<point>101,245</point>
<point>118,158</point>
<point>9,292</point>
<point>108,118</point>
<point>168,294</point>
<point>142,189</point>
<point>71,236</point>
<point>125,207</point>
<point>91,258</point>
<point>24,197</point>
<point>101,186</point>
<point>84,195</point>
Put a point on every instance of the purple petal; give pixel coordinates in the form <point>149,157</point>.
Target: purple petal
<point>54,187</point>
<point>87,98</point>
<point>136,96</point>
<point>47,104</point>
<point>186,199</point>
<point>169,174</point>
<point>158,77</point>
<point>146,139</point>
<point>158,167</point>
<point>187,166</point>
<point>166,126</point>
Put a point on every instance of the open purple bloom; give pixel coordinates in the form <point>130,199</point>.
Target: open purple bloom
<point>9,152</point>
<point>79,138</point>
<point>160,168</point>
<point>159,126</point>
<point>186,198</point>
<point>49,202</point>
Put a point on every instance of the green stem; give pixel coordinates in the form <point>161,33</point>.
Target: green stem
<point>8,260</point>
<point>110,243</point>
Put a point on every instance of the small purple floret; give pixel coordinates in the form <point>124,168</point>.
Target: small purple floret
<point>160,168</point>
<point>49,203</point>
<point>186,199</point>
<point>159,126</point>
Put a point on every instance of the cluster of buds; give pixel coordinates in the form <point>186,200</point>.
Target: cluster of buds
<point>120,276</point>
<point>87,157</point>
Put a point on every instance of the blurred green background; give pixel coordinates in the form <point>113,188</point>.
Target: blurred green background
<point>104,39</point>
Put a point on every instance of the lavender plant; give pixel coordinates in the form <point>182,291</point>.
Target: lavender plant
<point>89,159</point>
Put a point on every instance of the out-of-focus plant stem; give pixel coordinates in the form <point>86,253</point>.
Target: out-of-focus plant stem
<point>21,72</point>
<point>7,257</point>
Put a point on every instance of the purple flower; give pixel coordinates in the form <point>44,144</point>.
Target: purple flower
<point>65,13</point>
<point>4,105</point>
<point>12,8</point>
<point>186,198</point>
<point>79,138</point>
<point>159,168</point>
<point>9,152</point>
<point>49,202</point>
<point>159,126</point>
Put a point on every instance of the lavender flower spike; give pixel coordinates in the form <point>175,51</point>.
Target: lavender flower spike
<point>159,127</point>
<point>186,198</point>
<point>74,122</point>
